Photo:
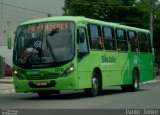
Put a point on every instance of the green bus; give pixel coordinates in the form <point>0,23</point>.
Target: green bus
<point>74,53</point>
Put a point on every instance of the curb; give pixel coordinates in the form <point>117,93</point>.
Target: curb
<point>6,80</point>
<point>7,91</point>
<point>151,81</point>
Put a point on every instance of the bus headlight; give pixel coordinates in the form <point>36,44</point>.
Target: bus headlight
<point>15,72</point>
<point>18,74</point>
<point>69,70</point>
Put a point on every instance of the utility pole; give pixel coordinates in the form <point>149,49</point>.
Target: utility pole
<point>152,4</point>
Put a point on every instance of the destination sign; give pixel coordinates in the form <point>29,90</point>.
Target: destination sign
<point>48,27</point>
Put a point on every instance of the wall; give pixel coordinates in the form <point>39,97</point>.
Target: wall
<point>5,52</point>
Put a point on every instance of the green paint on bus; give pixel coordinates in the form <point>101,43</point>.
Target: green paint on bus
<point>71,53</point>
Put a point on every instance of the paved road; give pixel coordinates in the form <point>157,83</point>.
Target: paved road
<point>113,98</point>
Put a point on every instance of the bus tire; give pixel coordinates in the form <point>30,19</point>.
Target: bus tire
<point>94,90</point>
<point>135,83</point>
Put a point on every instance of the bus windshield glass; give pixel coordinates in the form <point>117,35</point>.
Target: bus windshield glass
<point>44,44</point>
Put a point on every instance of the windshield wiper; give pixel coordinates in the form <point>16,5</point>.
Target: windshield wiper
<point>50,49</point>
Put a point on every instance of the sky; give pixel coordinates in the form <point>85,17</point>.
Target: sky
<point>10,11</point>
<point>13,12</point>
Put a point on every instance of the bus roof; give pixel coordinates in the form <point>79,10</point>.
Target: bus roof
<point>83,19</point>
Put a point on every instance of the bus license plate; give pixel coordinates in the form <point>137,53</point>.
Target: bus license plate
<point>41,83</point>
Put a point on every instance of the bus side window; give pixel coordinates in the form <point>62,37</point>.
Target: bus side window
<point>82,40</point>
<point>82,43</point>
<point>121,40</point>
<point>109,38</point>
<point>133,41</point>
<point>149,43</point>
<point>95,36</point>
<point>143,43</point>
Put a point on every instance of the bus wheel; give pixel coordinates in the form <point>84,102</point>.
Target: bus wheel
<point>94,90</point>
<point>135,81</point>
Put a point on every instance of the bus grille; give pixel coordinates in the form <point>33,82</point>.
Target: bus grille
<point>43,76</point>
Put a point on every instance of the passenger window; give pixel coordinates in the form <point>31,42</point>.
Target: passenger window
<point>109,38</point>
<point>149,43</point>
<point>95,37</point>
<point>133,41</point>
<point>121,40</point>
<point>82,42</point>
<point>143,43</point>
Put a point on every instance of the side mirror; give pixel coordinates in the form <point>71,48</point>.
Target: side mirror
<point>9,41</point>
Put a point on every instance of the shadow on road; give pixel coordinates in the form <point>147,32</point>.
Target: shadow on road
<point>79,95</point>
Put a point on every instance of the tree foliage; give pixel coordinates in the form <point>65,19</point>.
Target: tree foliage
<point>156,34</point>
<point>129,12</point>
<point>120,11</point>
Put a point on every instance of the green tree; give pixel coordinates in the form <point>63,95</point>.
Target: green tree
<point>129,12</point>
<point>120,11</point>
<point>156,34</point>
<point>49,15</point>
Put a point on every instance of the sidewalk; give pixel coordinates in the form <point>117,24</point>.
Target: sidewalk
<point>6,80</point>
<point>157,78</point>
<point>6,85</point>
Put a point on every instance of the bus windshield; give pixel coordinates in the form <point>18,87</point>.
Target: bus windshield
<point>44,43</point>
